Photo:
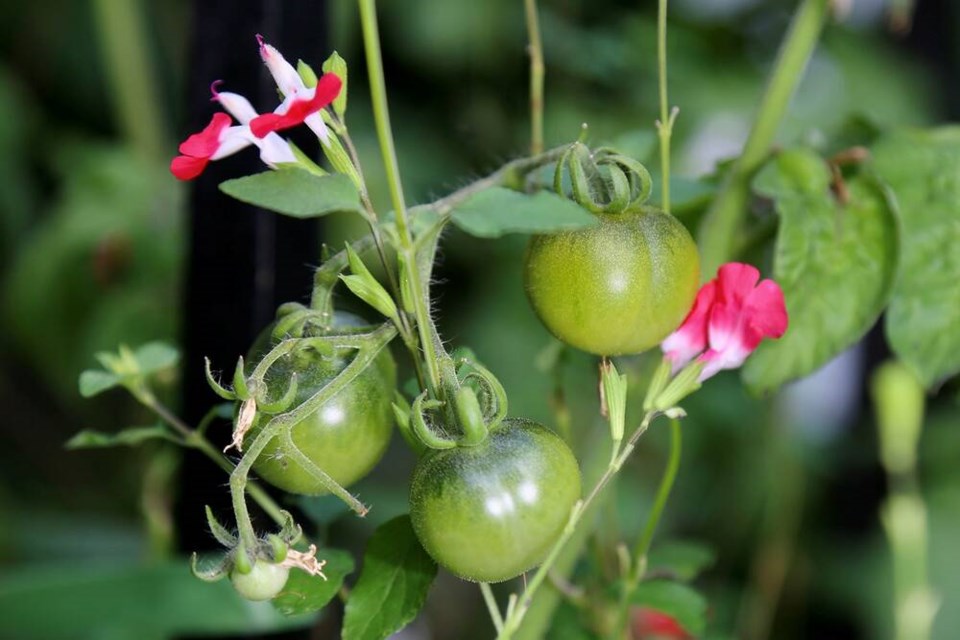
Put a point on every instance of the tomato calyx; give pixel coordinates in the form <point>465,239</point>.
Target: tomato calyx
<point>603,181</point>
<point>474,404</point>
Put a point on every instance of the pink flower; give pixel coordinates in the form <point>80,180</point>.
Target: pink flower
<point>301,104</point>
<point>219,140</point>
<point>731,315</point>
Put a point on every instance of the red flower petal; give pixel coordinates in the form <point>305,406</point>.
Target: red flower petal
<point>206,143</point>
<point>188,167</point>
<point>328,87</point>
<point>691,337</point>
<point>650,623</point>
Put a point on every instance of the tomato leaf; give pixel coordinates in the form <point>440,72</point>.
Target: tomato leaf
<point>835,262</point>
<point>393,585</point>
<point>96,381</point>
<point>305,593</point>
<point>295,192</point>
<point>675,599</point>
<point>496,211</point>
<point>923,321</point>
<point>683,560</point>
<point>128,437</point>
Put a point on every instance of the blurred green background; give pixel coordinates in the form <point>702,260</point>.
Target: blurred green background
<point>786,491</point>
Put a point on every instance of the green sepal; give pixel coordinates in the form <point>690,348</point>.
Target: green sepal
<point>278,548</point>
<point>657,383</point>
<point>212,573</point>
<point>220,533</point>
<point>615,394</point>
<point>423,432</point>
<point>218,389</point>
<point>336,64</point>
<point>240,381</point>
<point>470,417</point>
<point>307,74</point>
<point>241,560</point>
<point>283,403</point>
<point>402,414</point>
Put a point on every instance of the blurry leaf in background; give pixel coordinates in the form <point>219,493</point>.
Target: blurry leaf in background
<point>19,188</point>
<point>835,262</point>
<point>128,437</point>
<point>923,323</point>
<point>305,593</point>
<point>101,268</point>
<point>78,602</point>
<point>677,600</point>
<point>681,559</point>
<point>393,585</point>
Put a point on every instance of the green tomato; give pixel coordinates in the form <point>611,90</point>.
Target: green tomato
<point>489,512</point>
<point>347,436</point>
<point>264,581</point>
<point>616,288</point>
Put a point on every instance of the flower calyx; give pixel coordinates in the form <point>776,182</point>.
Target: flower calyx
<point>602,181</point>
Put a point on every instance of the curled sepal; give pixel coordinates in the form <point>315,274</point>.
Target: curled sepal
<point>221,533</point>
<point>402,413</point>
<point>491,394</point>
<point>291,318</point>
<point>418,422</point>
<point>240,381</point>
<point>218,389</point>
<point>213,572</point>
<point>283,403</point>
<point>278,548</point>
<point>290,531</point>
<point>470,417</point>
<point>638,178</point>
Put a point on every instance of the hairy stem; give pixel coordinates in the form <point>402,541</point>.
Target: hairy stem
<point>717,235</point>
<point>536,77</point>
<point>381,115</point>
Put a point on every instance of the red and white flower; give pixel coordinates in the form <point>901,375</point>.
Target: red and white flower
<point>219,139</point>
<point>731,315</point>
<point>301,104</point>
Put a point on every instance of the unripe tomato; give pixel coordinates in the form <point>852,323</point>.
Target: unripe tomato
<point>616,288</point>
<point>489,512</point>
<point>347,436</point>
<point>264,581</point>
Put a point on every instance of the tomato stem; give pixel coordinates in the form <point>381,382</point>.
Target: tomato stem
<point>492,606</point>
<point>667,117</point>
<point>535,50</point>
<point>642,548</point>
<point>717,234</point>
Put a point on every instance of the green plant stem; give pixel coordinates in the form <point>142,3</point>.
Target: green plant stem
<point>492,607</point>
<point>516,615</point>
<point>717,234</point>
<point>381,115</point>
<point>195,439</point>
<point>642,547</point>
<point>665,124</point>
<point>536,77</point>
<point>132,80</point>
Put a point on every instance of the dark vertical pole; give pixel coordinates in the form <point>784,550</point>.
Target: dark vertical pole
<point>243,261</point>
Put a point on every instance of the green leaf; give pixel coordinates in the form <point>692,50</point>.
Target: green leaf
<point>835,262</point>
<point>923,321</point>
<point>96,381</point>
<point>397,574</point>
<point>675,599</point>
<point>295,192</point>
<point>80,600</point>
<point>128,437</point>
<point>683,560</point>
<point>156,356</point>
<point>305,593</point>
<point>494,212</point>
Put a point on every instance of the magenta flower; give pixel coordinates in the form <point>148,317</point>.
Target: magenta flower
<point>732,314</point>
